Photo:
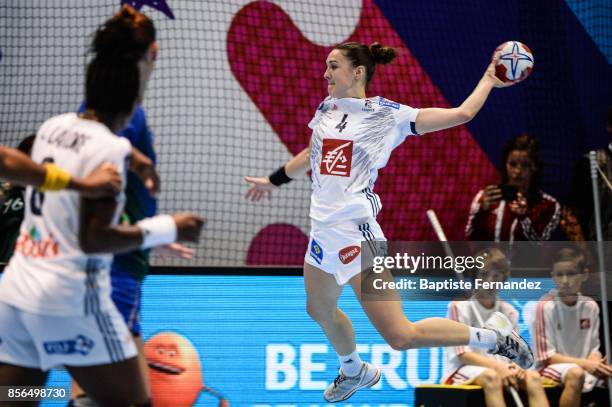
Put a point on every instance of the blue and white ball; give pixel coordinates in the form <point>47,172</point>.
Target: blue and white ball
<point>515,61</point>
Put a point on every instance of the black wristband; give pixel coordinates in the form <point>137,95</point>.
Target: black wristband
<point>279,177</point>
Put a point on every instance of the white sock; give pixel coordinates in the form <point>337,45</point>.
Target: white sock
<point>350,364</point>
<point>483,338</point>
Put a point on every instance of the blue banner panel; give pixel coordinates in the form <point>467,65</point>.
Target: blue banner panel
<point>250,342</point>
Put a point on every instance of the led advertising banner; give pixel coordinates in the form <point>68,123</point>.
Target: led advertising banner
<point>248,341</point>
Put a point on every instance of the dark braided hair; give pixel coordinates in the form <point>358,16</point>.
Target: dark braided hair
<point>362,55</point>
<point>113,81</point>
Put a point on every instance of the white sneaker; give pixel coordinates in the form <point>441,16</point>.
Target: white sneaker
<point>344,387</point>
<point>509,343</point>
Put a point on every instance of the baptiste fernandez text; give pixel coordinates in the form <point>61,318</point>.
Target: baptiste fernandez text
<point>451,284</point>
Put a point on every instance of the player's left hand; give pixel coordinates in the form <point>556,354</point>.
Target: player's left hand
<point>174,250</point>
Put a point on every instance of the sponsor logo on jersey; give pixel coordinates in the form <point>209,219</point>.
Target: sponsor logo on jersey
<point>336,157</point>
<point>33,245</point>
<point>348,254</point>
<point>388,103</point>
<point>585,323</point>
<point>325,107</point>
<point>316,252</point>
<point>367,106</point>
<point>81,344</point>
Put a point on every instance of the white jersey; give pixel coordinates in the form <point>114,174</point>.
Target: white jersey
<point>351,140</point>
<point>465,312</point>
<point>569,330</point>
<point>49,273</point>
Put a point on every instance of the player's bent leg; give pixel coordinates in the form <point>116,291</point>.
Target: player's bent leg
<point>532,384</point>
<point>322,293</point>
<point>142,361</point>
<point>387,316</point>
<point>114,384</point>
<point>492,387</point>
<point>573,380</point>
<point>80,399</point>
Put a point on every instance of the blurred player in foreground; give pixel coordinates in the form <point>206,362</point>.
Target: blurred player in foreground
<point>55,300</point>
<point>128,270</point>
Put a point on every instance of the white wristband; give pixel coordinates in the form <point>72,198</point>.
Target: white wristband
<point>157,231</point>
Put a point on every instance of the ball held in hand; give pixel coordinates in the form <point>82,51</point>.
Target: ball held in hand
<point>515,62</point>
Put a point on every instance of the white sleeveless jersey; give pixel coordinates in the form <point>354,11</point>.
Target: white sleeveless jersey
<point>351,140</point>
<point>49,273</point>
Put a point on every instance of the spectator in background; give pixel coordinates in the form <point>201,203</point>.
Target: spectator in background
<point>11,209</point>
<point>566,330</point>
<point>517,209</point>
<point>469,365</point>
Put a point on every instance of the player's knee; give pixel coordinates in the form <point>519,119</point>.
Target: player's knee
<point>574,377</point>
<point>489,379</point>
<point>322,315</point>
<point>401,339</point>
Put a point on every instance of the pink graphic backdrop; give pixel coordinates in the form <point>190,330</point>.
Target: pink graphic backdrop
<point>282,71</point>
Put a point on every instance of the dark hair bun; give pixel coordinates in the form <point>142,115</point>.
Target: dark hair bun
<point>124,37</point>
<point>382,55</point>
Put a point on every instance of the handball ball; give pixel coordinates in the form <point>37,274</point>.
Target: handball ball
<point>515,62</point>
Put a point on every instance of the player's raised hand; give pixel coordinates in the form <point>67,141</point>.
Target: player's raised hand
<point>490,73</point>
<point>102,182</point>
<point>188,226</point>
<point>260,187</point>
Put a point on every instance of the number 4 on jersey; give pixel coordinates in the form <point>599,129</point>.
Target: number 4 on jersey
<point>342,123</point>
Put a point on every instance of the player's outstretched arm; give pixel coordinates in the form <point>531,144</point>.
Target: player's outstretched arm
<point>263,186</point>
<point>97,235</point>
<point>434,119</point>
<point>18,168</point>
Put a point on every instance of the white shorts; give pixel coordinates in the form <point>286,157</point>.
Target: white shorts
<point>557,372</point>
<point>44,341</point>
<point>466,374</point>
<point>337,249</point>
